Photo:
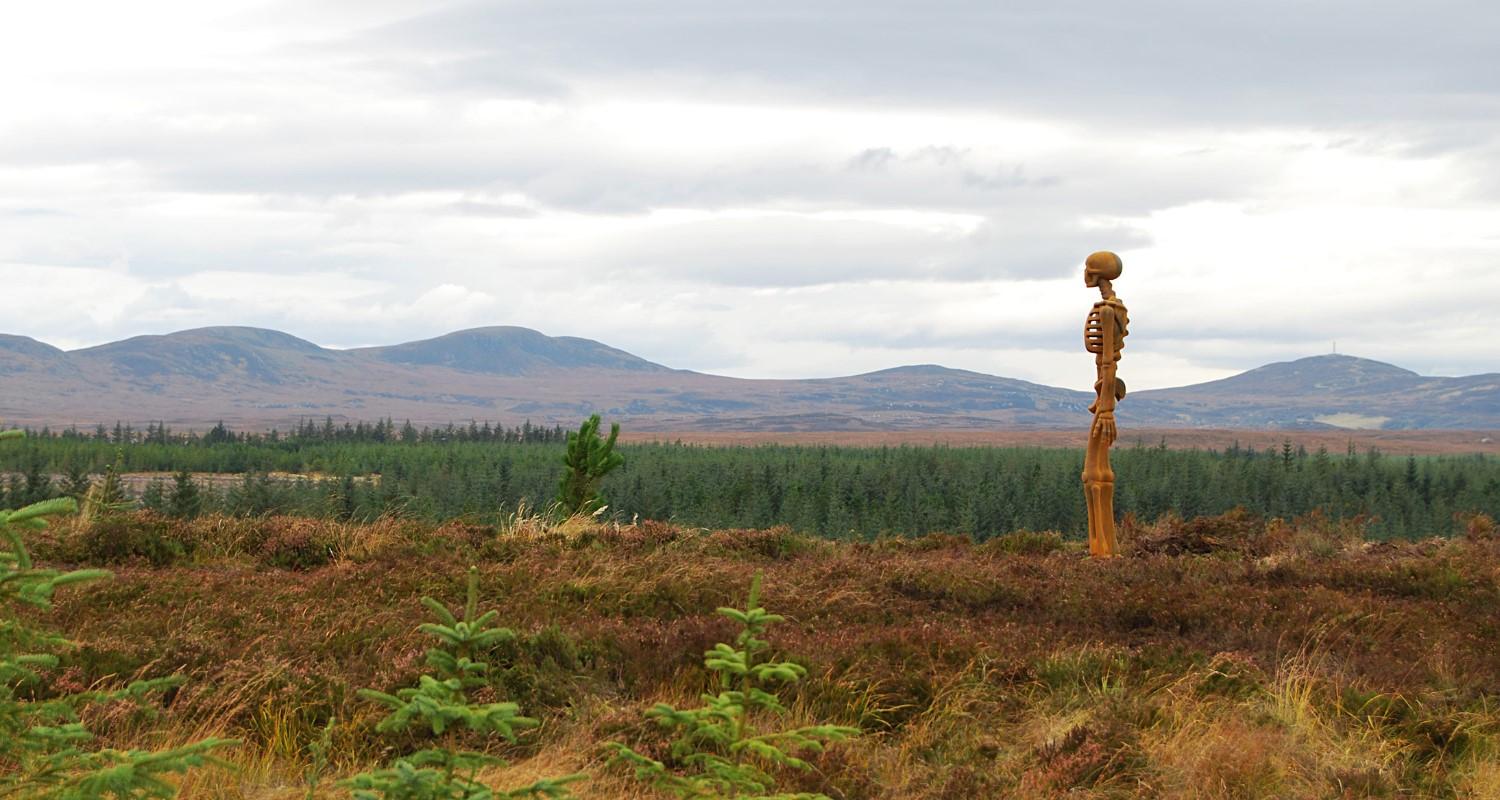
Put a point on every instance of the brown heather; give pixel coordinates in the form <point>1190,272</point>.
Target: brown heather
<point>1226,657</point>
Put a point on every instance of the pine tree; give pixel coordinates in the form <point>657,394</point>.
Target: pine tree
<point>154,497</point>
<point>108,495</point>
<point>347,498</point>
<point>76,481</point>
<point>440,703</point>
<point>588,459</point>
<point>38,482</point>
<point>185,501</point>
<point>718,747</point>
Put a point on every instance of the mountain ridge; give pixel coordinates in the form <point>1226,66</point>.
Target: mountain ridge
<point>509,350</point>
<point>261,376</point>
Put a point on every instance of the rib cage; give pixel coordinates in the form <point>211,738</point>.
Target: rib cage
<point>1093,329</point>
<point>1093,332</point>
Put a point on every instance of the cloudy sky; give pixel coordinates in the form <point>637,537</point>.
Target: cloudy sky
<point>768,189</point>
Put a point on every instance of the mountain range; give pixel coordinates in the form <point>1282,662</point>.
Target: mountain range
<point>253,377</point>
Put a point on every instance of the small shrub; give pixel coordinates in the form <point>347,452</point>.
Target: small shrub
<point>145,536</point>
<point>642,533</point>
<point>1025,543</point>
<point>296,544</point>
<point>934,542</point>
<point>540,671</point>
<point>462,534</point>
<point>951,587</point>
<point>1477,526</point>
<point>1232,675</point>
<point>1236,531</point>
<point>938,541</point>
<point>1081,670</point>
<point>780,542</point>
<point>1315,535</point>
<point>1083,756</point>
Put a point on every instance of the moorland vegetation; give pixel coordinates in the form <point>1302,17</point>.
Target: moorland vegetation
<point>1229,656</point>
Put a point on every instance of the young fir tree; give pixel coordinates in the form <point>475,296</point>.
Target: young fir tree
<point>76,481</point>
<point>185,500</point>
<point>44,748</point>
<point>154,496</point>
<point>38,481</point>
<point>346,499</point>
<point>588,459</point>
<point>108,495</point>
<point>719,750</point>
<point>440,703</point>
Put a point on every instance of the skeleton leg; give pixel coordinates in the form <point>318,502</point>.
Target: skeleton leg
<point>1100,495</point>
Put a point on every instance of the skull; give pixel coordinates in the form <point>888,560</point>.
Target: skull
<point>1101,266</point>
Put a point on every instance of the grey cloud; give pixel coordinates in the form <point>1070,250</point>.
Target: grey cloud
<point>1269,62</point>
<point>799,251</point>
<point>1013,178</point>
<point>482,208</point>
<point>325,154</point>
<point>1064,335</point>
<point>874,158</point>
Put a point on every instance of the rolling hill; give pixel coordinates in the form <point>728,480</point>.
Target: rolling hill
<point>253,377</point>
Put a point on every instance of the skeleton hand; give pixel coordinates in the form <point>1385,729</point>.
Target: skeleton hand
<point>1104,427</point>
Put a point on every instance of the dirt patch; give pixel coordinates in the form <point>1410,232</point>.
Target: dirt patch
<point>1389,442</point>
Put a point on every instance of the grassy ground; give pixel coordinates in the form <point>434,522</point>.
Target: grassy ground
<point>1225,657</point>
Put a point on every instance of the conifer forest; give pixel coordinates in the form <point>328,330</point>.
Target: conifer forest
<point>481,473</point>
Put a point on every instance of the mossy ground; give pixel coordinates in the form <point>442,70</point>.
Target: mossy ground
<point>1227,657</point>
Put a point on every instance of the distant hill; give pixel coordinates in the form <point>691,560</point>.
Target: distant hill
<point>254,354</point>
<point>509,350</point>
<point>253,377</point>
<point>23,354</point>
<point>1337,391</point>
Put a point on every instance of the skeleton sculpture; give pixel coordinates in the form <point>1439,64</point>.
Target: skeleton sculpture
<point>1104,336</point>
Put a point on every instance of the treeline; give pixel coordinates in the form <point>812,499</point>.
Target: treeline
<point>379,432</point>
<point>832,491</point>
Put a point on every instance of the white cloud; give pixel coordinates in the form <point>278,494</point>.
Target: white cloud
<point>37,295</point>
<point>763,190</point>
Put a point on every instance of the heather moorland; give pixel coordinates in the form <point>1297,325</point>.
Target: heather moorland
<point>1228,656</point>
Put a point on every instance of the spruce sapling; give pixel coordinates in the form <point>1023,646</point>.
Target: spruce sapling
<point>154,496</point>
<point>440,703</point>
<point>318,762</point>
<point>42,741</point>
<point>588,459</point>
<point>107,496</point>
<point>722,753</point>
<point>186,501</point>
<point>77,482</point>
